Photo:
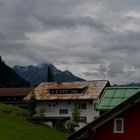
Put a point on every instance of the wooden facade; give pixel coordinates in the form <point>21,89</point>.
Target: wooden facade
<point>13,95</point>
<point>128,114</point>
<point>131,126</point>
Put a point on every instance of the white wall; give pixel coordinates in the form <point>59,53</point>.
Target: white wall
<point>53,110</point>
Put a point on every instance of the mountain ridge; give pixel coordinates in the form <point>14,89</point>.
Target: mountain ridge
<point>38,74</point>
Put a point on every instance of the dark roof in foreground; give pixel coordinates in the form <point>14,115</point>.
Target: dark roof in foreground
<point>113,96</point>
<point>15,91</point>
<point>106,117</point>
<point>89,90</point>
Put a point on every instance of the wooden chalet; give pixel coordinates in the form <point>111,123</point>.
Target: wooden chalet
<point>13,95</point>
<point>120,123</point>
<point>58,100</point>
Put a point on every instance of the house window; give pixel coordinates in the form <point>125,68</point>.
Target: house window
<point>52,92</point>
<point>14,98</point>
<point>49,105</point>
<point>8,99</point>
<point>83,119</point>
<point>63,111</point>
<point>74,91</point>
<point>81,105</point>
<point>69,102</point>
<point>118,125</point>
<point>52,105</point>
<point>66,91</point>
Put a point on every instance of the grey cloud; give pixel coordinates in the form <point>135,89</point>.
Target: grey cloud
<point>129,41</point>
<point>115,69</point>
<point>103,70</point>
<point>72,22</point>
<point>75,32</point>
<point>15,22</point>
<point>91,74</point>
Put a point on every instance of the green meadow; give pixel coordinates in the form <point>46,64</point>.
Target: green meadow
<point>14,126</point>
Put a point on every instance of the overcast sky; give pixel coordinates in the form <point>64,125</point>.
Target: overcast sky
<point>96,39</point>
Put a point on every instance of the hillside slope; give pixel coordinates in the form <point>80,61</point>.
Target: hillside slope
<point>13,128</point>
<point>8,77</point>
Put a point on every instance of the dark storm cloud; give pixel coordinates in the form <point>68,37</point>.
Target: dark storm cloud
<point>72,22</point>
<point>128,41</point>
<point>14,24</point>
<point>115,69</point>
<point>104,35</point>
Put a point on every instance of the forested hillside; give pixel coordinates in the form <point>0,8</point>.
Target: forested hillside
<point>9,78</point>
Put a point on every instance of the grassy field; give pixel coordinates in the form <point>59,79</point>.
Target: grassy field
<point>13,126</point>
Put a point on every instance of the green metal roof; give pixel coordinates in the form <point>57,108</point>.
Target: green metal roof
<point>113,96</point>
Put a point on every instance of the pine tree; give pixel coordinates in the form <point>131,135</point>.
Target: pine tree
<point>50,77</point>
<point>75,119</point>
<point>32,107</point>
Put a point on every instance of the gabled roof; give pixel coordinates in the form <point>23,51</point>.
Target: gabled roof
<point>84,132</point>
<point>15,91</point>
<point>90,90</point>
<point>113,96</point>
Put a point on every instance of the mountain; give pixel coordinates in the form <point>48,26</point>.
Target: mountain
<point>9,78</point>
<point>38,74</point>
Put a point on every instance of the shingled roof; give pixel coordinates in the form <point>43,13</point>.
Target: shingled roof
<point>15,91</point>
<point>89,90</point>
